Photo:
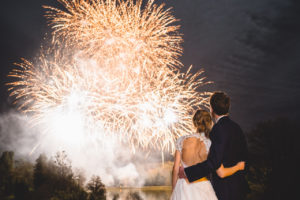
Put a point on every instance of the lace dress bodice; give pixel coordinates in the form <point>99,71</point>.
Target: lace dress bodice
<point>200,136</point>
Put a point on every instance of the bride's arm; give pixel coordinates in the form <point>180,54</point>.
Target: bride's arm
<point>224,172</point>
<point>175,168</point>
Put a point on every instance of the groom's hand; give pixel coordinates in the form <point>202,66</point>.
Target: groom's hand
<point>181,173</point>
<point>241,165</point>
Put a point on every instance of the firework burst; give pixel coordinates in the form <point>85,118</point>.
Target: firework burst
<point>116,64</point>
<point>119,33</point>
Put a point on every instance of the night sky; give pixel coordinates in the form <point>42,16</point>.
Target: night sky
<point>249,49</point>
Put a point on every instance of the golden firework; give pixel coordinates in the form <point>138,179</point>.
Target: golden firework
<point>116,65</point>
<point>117,31</point>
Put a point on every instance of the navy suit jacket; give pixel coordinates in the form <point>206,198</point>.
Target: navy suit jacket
<point>228,147</point>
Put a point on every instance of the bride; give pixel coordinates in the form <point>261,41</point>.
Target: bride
<point>192,149</point>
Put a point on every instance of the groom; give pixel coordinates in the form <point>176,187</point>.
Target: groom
<point>228,148</point>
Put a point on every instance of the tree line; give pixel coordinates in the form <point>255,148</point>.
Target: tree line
<point>273,156</point>
<point>46,179</point>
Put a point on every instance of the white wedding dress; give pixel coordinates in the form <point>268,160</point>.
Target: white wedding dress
<point>201,190</point>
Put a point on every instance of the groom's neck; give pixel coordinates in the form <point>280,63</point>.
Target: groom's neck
<point>218,117</point>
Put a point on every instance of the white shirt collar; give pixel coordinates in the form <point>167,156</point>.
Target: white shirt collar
<point>220,118</point>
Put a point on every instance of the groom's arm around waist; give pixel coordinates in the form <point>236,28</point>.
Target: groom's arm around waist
<point>214,159</point>
<point>197,171</point>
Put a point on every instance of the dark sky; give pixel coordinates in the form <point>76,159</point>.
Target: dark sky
<point>250,49</point>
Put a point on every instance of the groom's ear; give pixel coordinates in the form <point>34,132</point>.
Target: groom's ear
<point>210,109</point>
<point>212,112</point>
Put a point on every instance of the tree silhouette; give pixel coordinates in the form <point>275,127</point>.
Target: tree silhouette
<point>40,171</point>
<point>96,188</point>
<point>6,173</point>
<point>23,179</point>
<point>273,153</point>
<point>55,179</point>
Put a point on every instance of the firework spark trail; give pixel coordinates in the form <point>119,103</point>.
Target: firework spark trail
<point>116,33</point>
<point>115,64</point>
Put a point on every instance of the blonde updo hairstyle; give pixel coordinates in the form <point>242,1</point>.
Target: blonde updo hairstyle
<point>202,122</point>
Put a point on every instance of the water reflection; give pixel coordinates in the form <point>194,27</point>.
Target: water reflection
<point>146,193</point>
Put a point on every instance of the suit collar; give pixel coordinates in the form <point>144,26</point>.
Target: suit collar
<point>225,117</point>
<point>222,118</point>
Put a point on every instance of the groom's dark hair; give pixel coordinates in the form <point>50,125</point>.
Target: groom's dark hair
<point>220,103</point>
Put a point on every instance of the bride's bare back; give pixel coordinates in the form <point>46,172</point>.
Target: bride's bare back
<point>193,151</point>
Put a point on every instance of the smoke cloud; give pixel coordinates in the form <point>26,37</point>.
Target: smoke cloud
<point>105,156</point>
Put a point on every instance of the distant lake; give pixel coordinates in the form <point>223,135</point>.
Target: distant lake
<point>144,193</point>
